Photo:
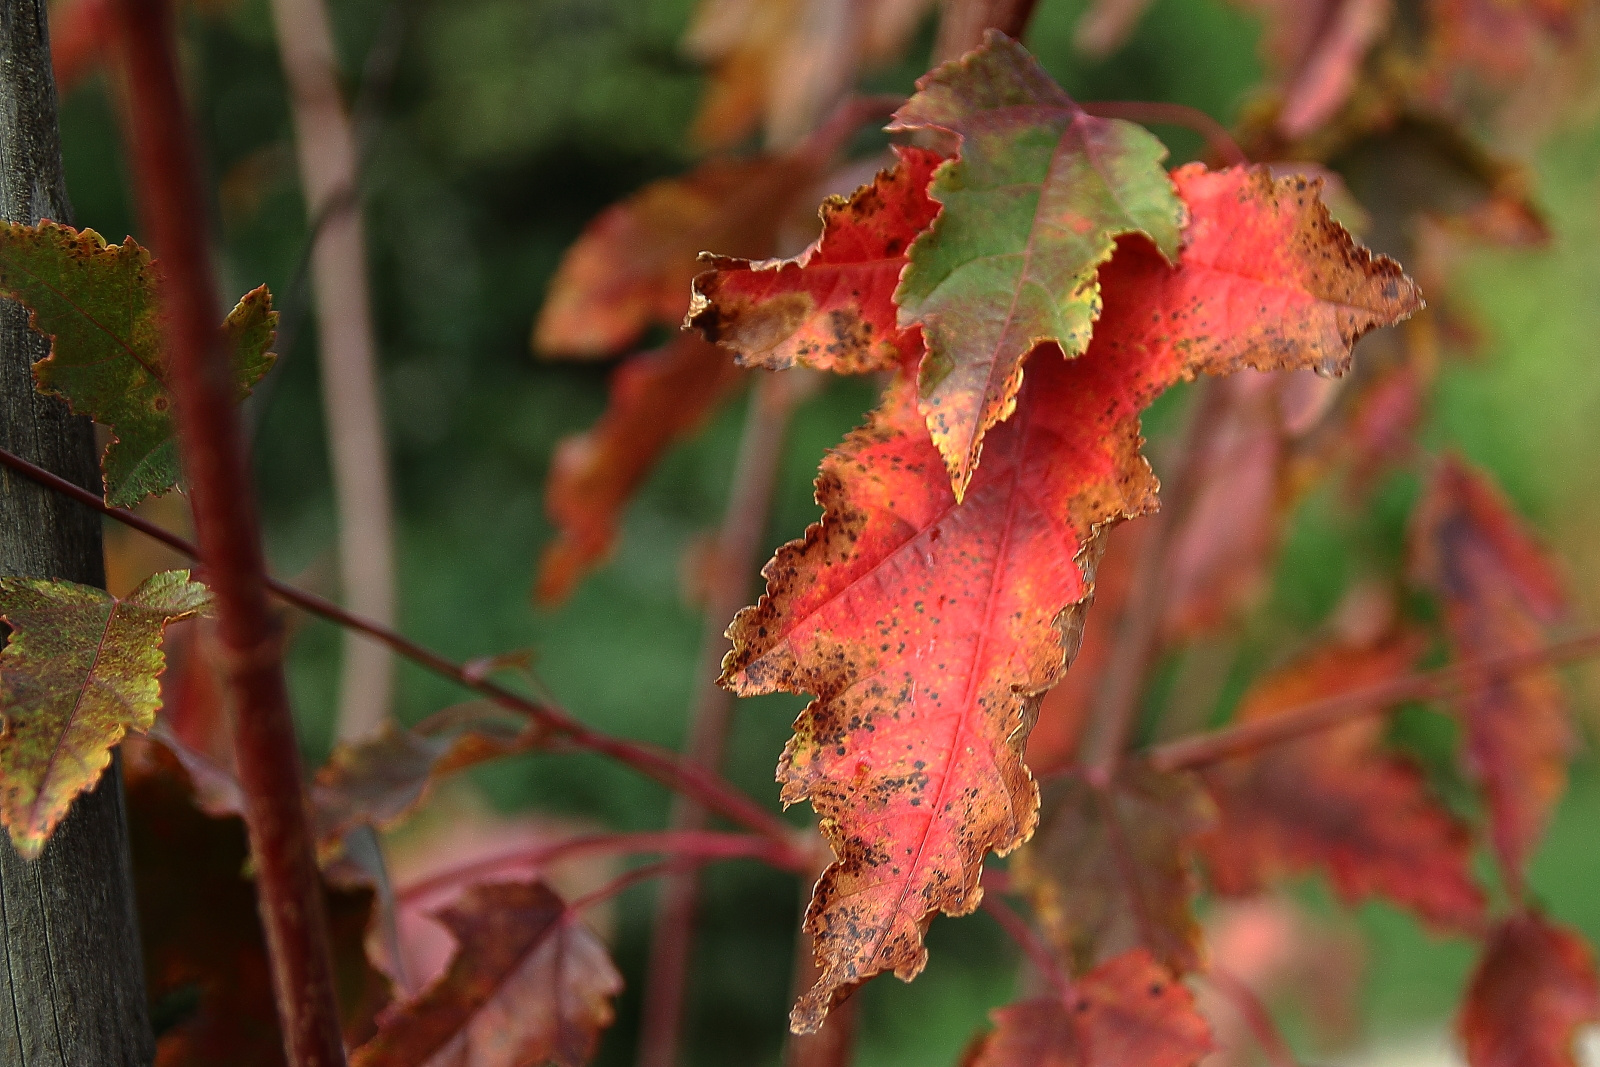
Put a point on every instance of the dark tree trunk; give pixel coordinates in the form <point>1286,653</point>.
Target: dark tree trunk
<point>71,981</point>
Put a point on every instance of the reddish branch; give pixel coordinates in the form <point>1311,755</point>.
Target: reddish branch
<point>1255,1016</point>
<point>1038,953</point>
<point>739,543</point>
<point>173,204</point>
<point>655,763</point>
<point>1218,139</point>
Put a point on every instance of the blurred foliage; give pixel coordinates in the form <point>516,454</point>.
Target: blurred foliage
<point>506,126</point>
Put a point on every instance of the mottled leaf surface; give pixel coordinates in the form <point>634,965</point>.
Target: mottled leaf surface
<point>1533,989</point>
<point>927,628</point>
<point>80,669</point>
<point>1499,591</point>
<point>98,304</point>
<point>1126,1011</point>
<point>832,306</point>
<point>1338,802</point>
<point>530,985</point>
<point>1110,871</point>
<point>1031,209</point>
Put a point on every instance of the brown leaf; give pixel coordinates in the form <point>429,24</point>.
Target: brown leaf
<point>529,985</point>
<point>1111,871</point>
<point>1126,1011</point>
<point>1533,989</point>
<point>1337,801</point>
<point>1499,590</point>
<point>656,399</point>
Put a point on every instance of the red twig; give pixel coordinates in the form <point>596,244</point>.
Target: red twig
<point>1191,752</point>
<point>173,203</point>
<point>1255,1016</point>
<point>739,543</point>
<point>692,846</point>
<point>1039,954</point>
<point>623,881</point>
<point>1217,137</point>
<point>652,762</point>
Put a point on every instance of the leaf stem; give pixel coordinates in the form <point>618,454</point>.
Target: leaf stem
<point>172,200</point>
<point>1202,749</point>
<point>1216,135</point>
<point>654,763</point>
<point>1255,1016</point>
<point>739,542</point>
<point>1043,960</point>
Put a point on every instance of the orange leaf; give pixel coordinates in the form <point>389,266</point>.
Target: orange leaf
<point>529,985</point>
<point>1111,871</point>
<point>928,629</point>
<point>1126,1011</point>
<point>1533,989</point>
<point>1499,590</point>
<point>1338,802</point>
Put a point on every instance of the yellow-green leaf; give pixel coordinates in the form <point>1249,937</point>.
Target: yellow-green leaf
<point>98,304</point>
<point>79,670</point>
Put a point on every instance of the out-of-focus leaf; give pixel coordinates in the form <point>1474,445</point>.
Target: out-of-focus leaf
<point>633,266</point>
<point>1030,210</point>
<point>1338,802</point>
<point>98,305</point>
<point>1499,590</point>
<point>928,628</point>
<point>1326,73</point>
<point>831,307</point>
<point>1126,1011</point>
<point>1533,989</point>
<point>656,399</point>
<point>79,670</point>
<point>1110,871</point>
<point>530,984</point>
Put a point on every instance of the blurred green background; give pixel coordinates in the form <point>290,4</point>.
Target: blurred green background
<point>509,124</point>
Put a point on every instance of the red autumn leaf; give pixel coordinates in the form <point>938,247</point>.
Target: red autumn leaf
<point>1338,802</point>
<point>633,265</point>
<point>204,951</point>
<point>1126,1011</point>
<point>1533,989</point>
<point>1327,70</point>
<point>1499,590</point>
<point>832,306</point>
<point>657,398</point>
<point>529,985</point>
<point>1110,870</point>
<point>928,629</point>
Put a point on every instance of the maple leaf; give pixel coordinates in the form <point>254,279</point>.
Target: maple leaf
<point>529,985</point>
<point>831,307</point>
<point>1499,591</point>
<point>1030,210</point>
<point>1533,989</point>
<point>656,399</point>
<point>98,304</point>
<point>79,670</point>
<point>1128,1010</point>
<point>1109,871</point>
<point>1339,802</point>
<point>927,628</point>
<point>380,781</point>
<point>633,265</point>
<point>205,954</point>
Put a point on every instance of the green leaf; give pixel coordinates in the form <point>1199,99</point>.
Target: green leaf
<point>98,304</point>
<point>79,670</point>
<point>1031,209</point>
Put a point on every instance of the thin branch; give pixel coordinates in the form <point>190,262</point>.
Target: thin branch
<point>172,200</point>
<point>325,143</point>
<point>1245,738</point>
<point>654,763</point>
<point>623,881</point>
<point>739,543</point>
<point>1038,953</point>
<point>1216,135</point>
<point>699,845</point>
<point>1117,704</point>
<point>1255,1016</point>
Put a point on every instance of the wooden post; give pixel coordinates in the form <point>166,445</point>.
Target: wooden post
<point>71,977</point>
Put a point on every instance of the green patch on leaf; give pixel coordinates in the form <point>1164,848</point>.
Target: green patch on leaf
<point>98,304</point>
<point>80,669</point>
